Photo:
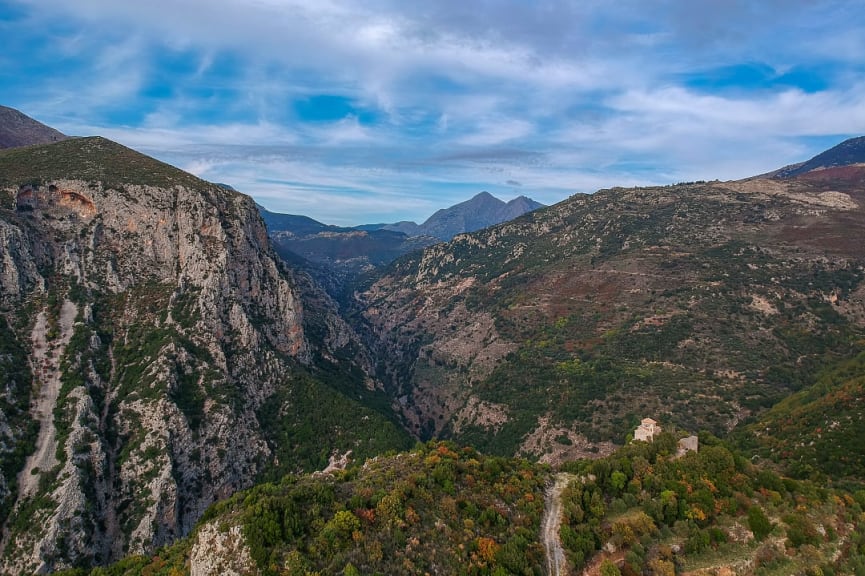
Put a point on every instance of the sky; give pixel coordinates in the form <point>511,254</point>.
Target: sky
<point>370,111</point>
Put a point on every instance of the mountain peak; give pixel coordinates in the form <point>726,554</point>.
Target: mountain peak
<point>526,202</point>
<point>847,153</point>
<point>478,200</point>
<point>480,211</point>
<point>17,129</point>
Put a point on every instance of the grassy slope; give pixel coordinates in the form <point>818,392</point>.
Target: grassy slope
<point>92,159</point>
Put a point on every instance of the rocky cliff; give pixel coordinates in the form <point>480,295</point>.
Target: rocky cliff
<point>166,355</point>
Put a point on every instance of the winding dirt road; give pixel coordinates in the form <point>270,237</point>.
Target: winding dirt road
<point>552,521</point>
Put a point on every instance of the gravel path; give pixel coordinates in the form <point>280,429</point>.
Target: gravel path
<point>552,521</point>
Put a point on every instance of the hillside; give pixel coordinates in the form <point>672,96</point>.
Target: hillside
<point>156,355</point>
<point>17,129</point>
<point>816,433</point>
<point>440,509</point>
<point>293,224</point>
<point>553,334</point>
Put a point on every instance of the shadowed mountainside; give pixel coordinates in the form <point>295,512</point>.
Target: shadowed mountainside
<point>17,129</point>
<point>847,153</point>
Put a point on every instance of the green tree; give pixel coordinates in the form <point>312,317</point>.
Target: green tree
<point>618,480</point>
<point>608,568</point>
<point>339,529</point>
<point>758,522</point>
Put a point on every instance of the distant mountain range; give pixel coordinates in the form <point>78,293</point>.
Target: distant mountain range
<point>346,252</point>
<point>335,254</point>
<point>481,211</point>
<point>17,129</point>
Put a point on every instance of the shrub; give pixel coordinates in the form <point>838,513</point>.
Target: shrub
<point>609,569</point>
<point>759,523</point>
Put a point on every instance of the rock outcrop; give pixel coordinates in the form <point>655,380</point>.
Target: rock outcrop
<point>157,321</point>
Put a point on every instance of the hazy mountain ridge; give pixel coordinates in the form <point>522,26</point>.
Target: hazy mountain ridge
<point>174,340</point>
<point>338,254</point>
<point>17,129</point>
<point>478,212</point>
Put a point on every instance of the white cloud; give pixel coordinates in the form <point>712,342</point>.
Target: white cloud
<point>494,131</point>
<point>560,96</point>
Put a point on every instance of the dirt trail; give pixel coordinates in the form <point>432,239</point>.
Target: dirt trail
<point>45,364</point>
<point>552,521</point>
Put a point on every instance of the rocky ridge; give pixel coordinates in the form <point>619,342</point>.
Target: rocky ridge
<point>570,323</point>
<point>185,325</point>
<point>478,212</point>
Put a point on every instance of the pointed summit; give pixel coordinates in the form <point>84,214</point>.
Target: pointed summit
<point>18,129</point>
<point>480,211</point>
<point>519,206</point>
<point>847,153</point>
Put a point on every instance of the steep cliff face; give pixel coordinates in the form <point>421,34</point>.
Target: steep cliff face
<point>150,330</point>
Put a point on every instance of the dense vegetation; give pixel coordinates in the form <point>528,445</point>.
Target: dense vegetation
<point>18,435</point>
<point>437,509</point>
<point>817,433</point>
<point>657,514</point>
<point>448,510</point>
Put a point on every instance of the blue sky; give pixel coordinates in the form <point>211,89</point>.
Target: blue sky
<point>377,111</point>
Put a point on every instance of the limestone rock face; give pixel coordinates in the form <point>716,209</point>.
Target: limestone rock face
<point>220,553</point>
<point>145,398</point>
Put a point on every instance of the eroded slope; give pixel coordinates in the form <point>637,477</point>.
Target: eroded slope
<point>554,334</point>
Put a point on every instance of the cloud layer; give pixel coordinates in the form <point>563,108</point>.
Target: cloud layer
<point>383,110</point>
